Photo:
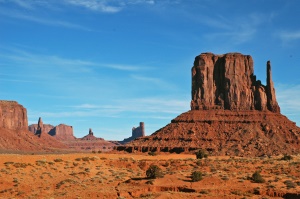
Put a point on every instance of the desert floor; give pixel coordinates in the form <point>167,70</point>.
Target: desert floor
<point>109,175</point>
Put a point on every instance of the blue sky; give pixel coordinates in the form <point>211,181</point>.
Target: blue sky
<point>109,64</point>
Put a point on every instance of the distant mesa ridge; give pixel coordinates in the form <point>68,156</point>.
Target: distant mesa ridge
<point>136,133</point>
<point>232,113</point>
<point>64,133</point>
<point>14,131</point>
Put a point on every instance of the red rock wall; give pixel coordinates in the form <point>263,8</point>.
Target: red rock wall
<point>63,132</point>
<point>13,116</point>
<point>227,82</point>
<point>46,128</point>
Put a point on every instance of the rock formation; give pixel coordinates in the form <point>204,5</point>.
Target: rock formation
<point>13,116</point>
<point>90,136</point>
<point>62,132</point>
<point>227,82</point>
<point>231,113</point>
<point>46,128</point>
<point>136,133</point>
<point>14,134</point>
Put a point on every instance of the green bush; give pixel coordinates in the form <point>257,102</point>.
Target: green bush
<point>201,154</point>
<point>154,172</point>
<point>257,178</point>
<point>152,153</point>
<point>196,176</point>
<point>287,157</point>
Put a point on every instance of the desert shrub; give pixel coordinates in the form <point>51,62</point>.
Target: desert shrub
<point>201,154</point>
<point>41,162</point>
<point>78,159</point>
<point>287,157</point>
<point>196,176</point>
<point>152,153</point>
<point>154,172</point>
<point>20,165</point>
<point>58,160</point>
<point>257,178</point>
<point>290,184</point>
<point>8,163</point>
<point>85,159</point>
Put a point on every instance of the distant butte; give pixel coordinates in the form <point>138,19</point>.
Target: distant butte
<point>64,134</point>
<point>14,134</point>
<point>231,113</point>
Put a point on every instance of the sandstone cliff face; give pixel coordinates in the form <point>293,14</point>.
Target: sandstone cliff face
<point>13,116</point>
<point>46,128</point>
<point>232,114</point>
<point>14,134</point>
<point>228,82</point>
<point>136,133</point>
<point>62,132</point>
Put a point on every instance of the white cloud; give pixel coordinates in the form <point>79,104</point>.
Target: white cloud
<point>53,61</point>
<point>41,20</point>
<point>288,36</point>
<point>95,5</point>
<point>107,6</point>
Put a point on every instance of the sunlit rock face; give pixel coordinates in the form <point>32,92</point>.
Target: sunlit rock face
<point>228,82</point>
<point>13,116</point>
<point>231,113</point>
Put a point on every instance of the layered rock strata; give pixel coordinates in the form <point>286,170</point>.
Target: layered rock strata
<point>14,134</point>
<point>136,133</point>
<point>13,116</point>
<point>231,113</point>
<point>228,82</point>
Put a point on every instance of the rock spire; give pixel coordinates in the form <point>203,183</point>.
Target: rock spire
<point>228,82</point>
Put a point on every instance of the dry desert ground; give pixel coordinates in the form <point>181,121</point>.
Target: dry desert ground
<point>112,175</point>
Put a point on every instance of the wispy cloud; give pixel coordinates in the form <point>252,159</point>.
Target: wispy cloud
<point>107,6</point>
<point>288,36</point>
<point>41,60</point>
<point>237,31</point>
<point>141,105</point>
<point>101,6</point>
<point>50,22</point>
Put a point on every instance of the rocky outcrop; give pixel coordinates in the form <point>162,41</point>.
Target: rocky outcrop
<point>136,133</point>
<point>13,116</point>
<point>90,136</point>
<point>46,128</point>
<point>228,82</point>
<point>62,132</point>
<point>232,114</point>
<point>14,134</point>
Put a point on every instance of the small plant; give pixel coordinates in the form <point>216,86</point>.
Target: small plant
<point>152,153</point>
<point>257,178</point>
<point>201,154</point>
<point>58,160</point>
<point>196,176</point>
<point>154,172</point>
<point>290,184</point>
<point>287,157</point>
<point>85,159</point>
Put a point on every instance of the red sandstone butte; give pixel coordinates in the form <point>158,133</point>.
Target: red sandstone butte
<point>14,134</point>
<point>231,113</point>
